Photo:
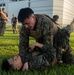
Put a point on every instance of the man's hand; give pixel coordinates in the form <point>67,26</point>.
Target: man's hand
<point>25,67</point>
<point>36,44</point>
<point>32,46</point>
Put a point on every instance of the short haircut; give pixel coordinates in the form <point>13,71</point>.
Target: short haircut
<point>55,17</point>
<point>5,65</point>
<point>24,13</point>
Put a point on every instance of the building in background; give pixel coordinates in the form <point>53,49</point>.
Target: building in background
<point>63,8</point>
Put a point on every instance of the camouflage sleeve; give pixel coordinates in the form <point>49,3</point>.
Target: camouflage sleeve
<point>68,28</point>
<point>48,37</point>
<point>23,43</point>
<point>49,51</point>
<point>47,33</point>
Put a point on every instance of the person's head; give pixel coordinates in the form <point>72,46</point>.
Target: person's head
<point>5,65</point>
<point>55,17</point>
<point>14,63</point>
<point>13,15</point>
<point>27,18</point>
<point>3,9</point>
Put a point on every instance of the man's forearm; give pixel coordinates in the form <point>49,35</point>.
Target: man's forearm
<point>38,45</point>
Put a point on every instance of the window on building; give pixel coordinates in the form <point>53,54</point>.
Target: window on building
<point>0,4</point>
<point>21,0</point>
<point>13,0</point>
<point>4,4</point>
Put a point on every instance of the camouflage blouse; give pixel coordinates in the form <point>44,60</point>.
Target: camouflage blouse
<point>43,32</point>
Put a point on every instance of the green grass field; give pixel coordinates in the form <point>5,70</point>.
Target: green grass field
<point>9,48</point>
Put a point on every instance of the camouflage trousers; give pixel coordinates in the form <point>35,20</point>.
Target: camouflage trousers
<point>2,28</point>
<point>42,61</point>
<point>39,63</point>
<point>62,46</point>
<point>67,56</point>
<point>14,28</point>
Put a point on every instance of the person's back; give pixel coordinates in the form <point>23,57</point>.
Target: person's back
<point>14,19</point>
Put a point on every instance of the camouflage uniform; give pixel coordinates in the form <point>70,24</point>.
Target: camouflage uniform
<point>61,43</point>
<point>14,24</point>
<point>2,24</point>
<point>67,54</point>
<point>43,33</point>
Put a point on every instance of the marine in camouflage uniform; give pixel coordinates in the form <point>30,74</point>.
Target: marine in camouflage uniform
<point>2,23</point>
<point>43,33</point>
<point>61,43</point>
<point>14,23</point>
<point>67,53</point>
